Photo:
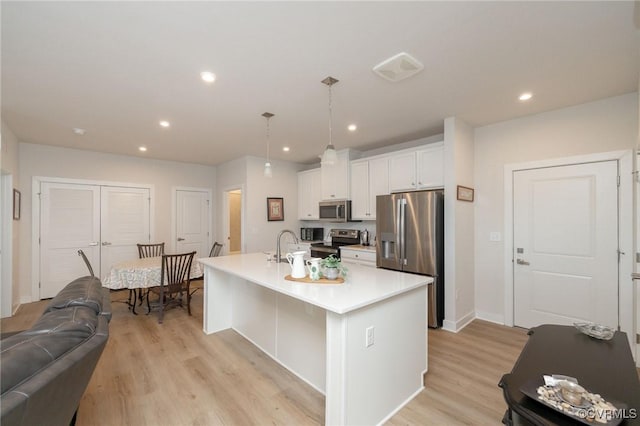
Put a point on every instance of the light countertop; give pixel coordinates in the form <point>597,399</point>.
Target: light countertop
<point>363,286</point>
<point>359,248</point>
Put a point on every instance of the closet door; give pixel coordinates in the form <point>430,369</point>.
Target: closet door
<point>69,220</point>
<point>124,223</point>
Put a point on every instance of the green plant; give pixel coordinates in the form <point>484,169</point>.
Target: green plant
<point>332,261</point>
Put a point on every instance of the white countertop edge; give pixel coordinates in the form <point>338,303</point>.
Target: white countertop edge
<point>422,281</point>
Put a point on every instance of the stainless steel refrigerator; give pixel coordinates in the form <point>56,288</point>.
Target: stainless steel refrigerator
<point>410,238</point>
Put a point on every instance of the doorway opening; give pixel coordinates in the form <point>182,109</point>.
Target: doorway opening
<point>233,220</point>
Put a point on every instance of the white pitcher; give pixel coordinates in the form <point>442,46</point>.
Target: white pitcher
<point>313,265</point>
<point>296,260</point>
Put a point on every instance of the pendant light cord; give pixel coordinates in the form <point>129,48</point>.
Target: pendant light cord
<point>330,116</point>
<point>268,119</point>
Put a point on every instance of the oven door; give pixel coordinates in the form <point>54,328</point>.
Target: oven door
<point>323,251</point>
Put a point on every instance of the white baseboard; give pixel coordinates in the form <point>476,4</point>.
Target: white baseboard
<point>25,299</point>
<point>456,326</point>
<point>491,317</point>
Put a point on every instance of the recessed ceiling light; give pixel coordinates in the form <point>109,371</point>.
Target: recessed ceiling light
<point>525,96</point>
<point>79,131</point>
<point>142,149</point>
<point>164,123</point>
<point>352,127</point>
<point>208,76</point>
<point>286,148</point>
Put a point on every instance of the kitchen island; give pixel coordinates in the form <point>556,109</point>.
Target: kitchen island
<point>363,343</point>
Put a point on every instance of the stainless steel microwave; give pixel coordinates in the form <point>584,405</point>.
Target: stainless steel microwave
<point>335,211</point>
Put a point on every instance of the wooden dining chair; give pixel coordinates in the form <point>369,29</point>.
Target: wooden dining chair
<point>174,283</point>
<point>86,262</point>
<point>215,250</point>
<point>150,250</point>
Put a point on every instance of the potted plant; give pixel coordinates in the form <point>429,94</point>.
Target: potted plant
<point>332,267</point>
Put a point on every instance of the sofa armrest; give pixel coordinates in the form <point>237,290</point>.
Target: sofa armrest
<point>52,395</point>
<point>84,291</point>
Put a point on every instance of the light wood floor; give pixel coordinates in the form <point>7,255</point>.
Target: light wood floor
<point>174,374</point>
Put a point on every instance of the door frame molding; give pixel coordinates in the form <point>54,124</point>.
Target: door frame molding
<point>6,245</point>
<point>174,213</point>
<point>625,225</point>
<point>36,181</point>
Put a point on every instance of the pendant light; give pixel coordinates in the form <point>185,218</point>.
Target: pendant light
<point>329,156</point>
<point>267,166</point>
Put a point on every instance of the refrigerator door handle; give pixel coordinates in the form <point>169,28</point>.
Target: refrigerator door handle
<point>401,231</point>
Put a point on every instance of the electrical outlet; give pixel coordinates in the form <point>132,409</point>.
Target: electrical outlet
<point>369,336</point>
<point>494,236</point>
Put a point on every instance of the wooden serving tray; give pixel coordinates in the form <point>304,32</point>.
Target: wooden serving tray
<point>306,279</point>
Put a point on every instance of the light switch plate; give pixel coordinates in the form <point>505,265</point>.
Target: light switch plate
<point>494,236</point>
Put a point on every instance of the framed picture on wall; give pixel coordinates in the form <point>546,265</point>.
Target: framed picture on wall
<point>16,204</point>
<point>275,209</point>
<point>465,194</point>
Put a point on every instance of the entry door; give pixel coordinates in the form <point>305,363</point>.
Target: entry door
<point>566,245</point>
<point>192,221</point>
<point>124,223</point>
<point>70,220</point>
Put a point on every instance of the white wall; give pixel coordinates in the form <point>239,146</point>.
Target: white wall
<point>49,161</point>
<point>230,176</point>
<point>459,236</point>
<point>247,173</point>
<point>606,125</point>
<point>261,234</point>
<point>10,166</point>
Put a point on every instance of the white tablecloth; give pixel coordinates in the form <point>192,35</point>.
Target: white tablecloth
<point>140,273</point>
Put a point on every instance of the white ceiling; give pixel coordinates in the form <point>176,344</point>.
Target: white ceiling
<point>117,68</point>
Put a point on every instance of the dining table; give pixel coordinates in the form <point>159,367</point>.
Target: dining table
<point>138,274</point>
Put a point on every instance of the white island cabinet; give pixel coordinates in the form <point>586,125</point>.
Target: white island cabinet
<point>362,343</point>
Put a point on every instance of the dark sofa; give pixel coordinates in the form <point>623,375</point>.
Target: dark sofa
<point>46,369</point>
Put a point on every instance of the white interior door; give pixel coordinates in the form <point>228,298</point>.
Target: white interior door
<point>124,223</point>
<point>566,244</point>
<point>192,222</point>
<point>70,220</point>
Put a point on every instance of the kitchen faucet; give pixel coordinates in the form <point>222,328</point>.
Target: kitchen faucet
<point>284,231</point>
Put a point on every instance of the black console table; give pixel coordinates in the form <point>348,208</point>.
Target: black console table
<point>602,366</point>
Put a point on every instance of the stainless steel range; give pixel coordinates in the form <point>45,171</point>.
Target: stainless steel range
<point>339,237</point>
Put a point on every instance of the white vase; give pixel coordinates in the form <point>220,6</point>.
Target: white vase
<point>330,273</point>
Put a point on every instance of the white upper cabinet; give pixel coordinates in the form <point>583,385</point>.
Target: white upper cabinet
<point>335,178</point>
<point>430,167</point>
<point>402,172</point>
<point>309,194</point>
<point>369,178</point>
<point>417,169</point>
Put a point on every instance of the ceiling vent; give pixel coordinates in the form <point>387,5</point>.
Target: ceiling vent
<point>398,67</point>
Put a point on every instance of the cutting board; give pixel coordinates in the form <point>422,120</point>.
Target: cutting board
<point>306,279</point>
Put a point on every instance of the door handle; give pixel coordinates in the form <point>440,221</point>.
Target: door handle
<point>106,243</point>
<point>93,244</point>
<point>180,239</point>
<point>522,262</point>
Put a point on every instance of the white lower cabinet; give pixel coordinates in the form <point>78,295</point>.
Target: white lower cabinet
<point>358,257</point>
